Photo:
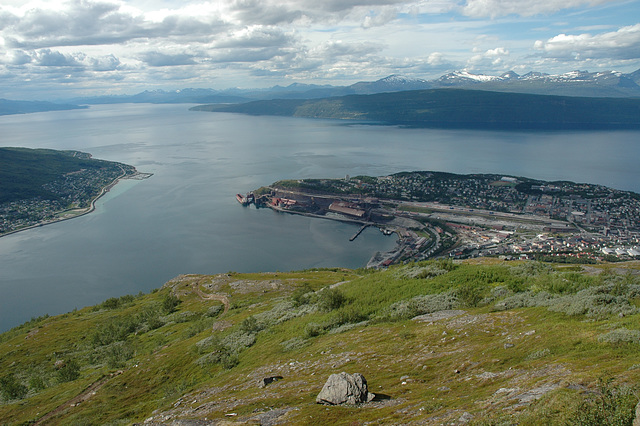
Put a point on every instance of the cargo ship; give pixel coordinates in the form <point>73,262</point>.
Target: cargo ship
<point>250,198</point>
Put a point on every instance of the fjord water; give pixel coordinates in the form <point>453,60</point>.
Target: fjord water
<point>185,218</point>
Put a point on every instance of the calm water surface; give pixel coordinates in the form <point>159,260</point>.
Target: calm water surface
<point>185,218</point>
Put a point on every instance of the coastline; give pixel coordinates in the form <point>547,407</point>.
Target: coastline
<point>75,213</point>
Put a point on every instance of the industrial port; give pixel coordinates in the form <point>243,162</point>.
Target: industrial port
<point>462,216</point>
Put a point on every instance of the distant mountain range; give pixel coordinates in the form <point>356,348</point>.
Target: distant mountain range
<point>576,83</point>
<point>605,84</point>
<point>456,108</point>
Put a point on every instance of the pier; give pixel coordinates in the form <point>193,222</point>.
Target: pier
<point>359,232</point>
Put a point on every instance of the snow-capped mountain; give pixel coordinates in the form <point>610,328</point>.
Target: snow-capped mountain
<point>392,83</point>
<point>573,83</point>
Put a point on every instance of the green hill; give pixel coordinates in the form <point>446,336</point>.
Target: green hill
<point>24,172</point>
<point>438,342</point>
<point>8,107</point>
<point>456,108</point>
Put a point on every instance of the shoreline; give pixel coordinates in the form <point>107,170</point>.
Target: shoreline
<point>92,206</point>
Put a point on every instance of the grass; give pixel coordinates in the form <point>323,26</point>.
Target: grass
<point>487,362</point>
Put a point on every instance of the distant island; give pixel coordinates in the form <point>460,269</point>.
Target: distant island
<point>456,108</point>
<point>439,214</point>
<point>40,186</point>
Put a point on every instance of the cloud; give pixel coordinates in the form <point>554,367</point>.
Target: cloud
<point>158,59</point>
<point>52,58</point>
<point>489,58</point>
<point>256,36</point>
<point>382,18</point>
<point>622,44</point>
<point>97,22</point>
<point>496,8</point>
<point>104,63</point>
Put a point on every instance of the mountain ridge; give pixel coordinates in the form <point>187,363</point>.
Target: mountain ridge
<point>456,108</point>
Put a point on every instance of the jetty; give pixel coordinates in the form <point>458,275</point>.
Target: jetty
<point>354,236</point>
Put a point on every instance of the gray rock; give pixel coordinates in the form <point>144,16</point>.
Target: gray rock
<point>345,389</point>
<point>636,420</point>
<point>268,380</point>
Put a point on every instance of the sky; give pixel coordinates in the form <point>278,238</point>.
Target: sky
<point>64,48</point>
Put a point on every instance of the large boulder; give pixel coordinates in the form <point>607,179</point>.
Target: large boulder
<point>345,389</point>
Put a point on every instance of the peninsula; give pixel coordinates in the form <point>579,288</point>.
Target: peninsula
<point>41,186</point>
<point>439,214</point>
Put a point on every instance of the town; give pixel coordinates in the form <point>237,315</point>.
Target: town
<point>71,195</point>
<point>438,214</point>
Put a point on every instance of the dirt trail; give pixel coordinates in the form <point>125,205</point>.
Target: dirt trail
<point>84,396</point>
<point>206,296</point>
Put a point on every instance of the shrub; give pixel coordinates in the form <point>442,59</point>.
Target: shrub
<point>348,315</point>
<point>11,388</point>
<point>611,406</point>
<point>115,329</point>
<point>116,302</point>
<point>620,335</point>
<point>118,354</point>
<point>330,299</point>
<point>294,343</point>
<point>468,295</point>
<point>214,311</point>
<point>37,382</point>
<point>302,295</point>
<point>251,325</point>
<point>313,329</point>
<point>170,303</point>
<point>69,371</point>
<point>538,354</point>
<point>419,305</point>
<point>238,341</point>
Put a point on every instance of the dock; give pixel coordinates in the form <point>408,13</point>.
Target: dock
<point>359,232</point>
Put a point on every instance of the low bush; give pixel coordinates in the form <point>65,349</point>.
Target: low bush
<point>419,305</point>
<point>620,335</point>
<point>330,299</point>
<point>68,371</point>
<point>610,405</point>
<point>303,295</point>
<point>11,388</point>
<point>293,344</point>
<point>170,303</point>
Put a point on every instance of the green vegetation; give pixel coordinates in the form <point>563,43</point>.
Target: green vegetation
<point>457,108</point>
<point>503,342</point>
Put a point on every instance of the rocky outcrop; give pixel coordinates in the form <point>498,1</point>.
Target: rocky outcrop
<point>268,380</point>
<point>344,388</point>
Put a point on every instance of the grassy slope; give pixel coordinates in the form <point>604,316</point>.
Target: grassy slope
<point>457,108</point>
<point>173,363</point>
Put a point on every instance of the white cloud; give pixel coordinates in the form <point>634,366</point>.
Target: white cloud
<point>496,8</point>
<point>622,44</point>
<point>490,58</point>
<point>385,16</point>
